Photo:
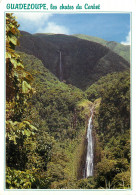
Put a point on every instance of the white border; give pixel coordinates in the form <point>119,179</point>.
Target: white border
<point>106,6</point>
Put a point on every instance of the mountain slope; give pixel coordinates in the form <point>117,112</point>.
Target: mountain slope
<point>56,112</point>
<point>46,137</point>
<point>83,62</point>
<point>122,50</point>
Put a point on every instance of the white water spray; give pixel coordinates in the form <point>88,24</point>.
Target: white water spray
<point>90,155</point>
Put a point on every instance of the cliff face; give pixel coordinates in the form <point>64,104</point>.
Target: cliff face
<point>83,62</point>
<point>118,48</point>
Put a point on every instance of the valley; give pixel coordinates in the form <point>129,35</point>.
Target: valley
<point>54,139</point>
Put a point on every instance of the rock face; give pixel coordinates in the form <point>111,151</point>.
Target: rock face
<point>83,62</point>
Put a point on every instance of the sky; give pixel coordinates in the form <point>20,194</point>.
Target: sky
<point>108,26</point>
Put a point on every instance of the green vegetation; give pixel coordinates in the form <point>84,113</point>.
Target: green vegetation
<point>46,120</point>
<point>22,161</point>
<point>83,62</point>
<point>58,111</point>
<point>122,50</point>
<point>91,38</point>
<point>105,83</point>
<point>112,130</point>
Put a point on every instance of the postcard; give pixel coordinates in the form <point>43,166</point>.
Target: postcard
<point>68,97</point>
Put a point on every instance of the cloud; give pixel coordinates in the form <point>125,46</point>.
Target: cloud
<point>128,39</point>
<point>39,23</point>
<point>32,17</point>
<point>53,28</point>
<point>30,22</point>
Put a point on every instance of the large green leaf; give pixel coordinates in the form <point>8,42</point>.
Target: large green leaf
<point>14,62</point>
<point>13,39</point>
<point>25,87</point>
<point>8,55</point>
<point>27,132</point>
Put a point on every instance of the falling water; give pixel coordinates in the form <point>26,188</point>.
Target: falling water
<point>89,156</point>
<point>60,67</point>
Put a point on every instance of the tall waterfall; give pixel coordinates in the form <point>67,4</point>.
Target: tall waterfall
<point>60,68</point>
<point>90,155</point>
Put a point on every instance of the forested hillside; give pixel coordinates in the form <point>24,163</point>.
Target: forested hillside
<point>47,119</point>
<point>112,128</point>
<point>83,61</point>
<point>122,50</point>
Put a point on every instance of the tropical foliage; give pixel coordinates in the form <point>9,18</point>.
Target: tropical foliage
<point>46,124</point>
<point>83,62</point>
<point>112,128</point>
<point>21,157</point>
<point>118,48</point>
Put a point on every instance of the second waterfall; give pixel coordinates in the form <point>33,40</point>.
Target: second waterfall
<point>90,154</point>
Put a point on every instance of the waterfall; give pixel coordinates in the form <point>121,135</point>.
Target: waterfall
<point>60,68</point>
<point>90,155</point>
